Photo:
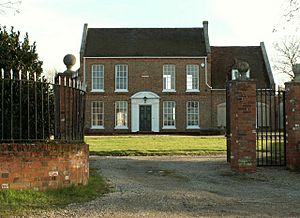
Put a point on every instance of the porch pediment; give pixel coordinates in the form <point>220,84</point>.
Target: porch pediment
<point>147,94</point>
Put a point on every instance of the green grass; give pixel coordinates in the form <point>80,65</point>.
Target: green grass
<point>156,145</point>
<point>14,203</point>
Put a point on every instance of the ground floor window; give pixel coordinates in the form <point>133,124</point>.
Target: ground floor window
<point>192,114</point>
<point>169,114</point>
<point>97,114</point>
<point>121,114</point>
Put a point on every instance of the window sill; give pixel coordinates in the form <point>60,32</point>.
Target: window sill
<point>121,90</point>
<point>121,127</point>
<point>169,127</point>
<point>97,90</point>
<point>97,127</point>
<point>192,90</point>
<point>168,90</point>
<point>192,127</point>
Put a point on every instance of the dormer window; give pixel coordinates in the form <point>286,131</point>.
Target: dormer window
<point>235,74</point>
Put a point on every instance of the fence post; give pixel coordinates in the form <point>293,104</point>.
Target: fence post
<point>293,121</point>
<point>242,111</point>
<point>66,102</point>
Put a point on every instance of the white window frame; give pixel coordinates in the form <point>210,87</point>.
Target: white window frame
<point>98,77</point>
<point>166,106</point>
<point>195,112</point>
<point>122,106</point>
<point>119,78</point>
<point>192,77</point>
<point>169,78</point>
<point>97,113</point>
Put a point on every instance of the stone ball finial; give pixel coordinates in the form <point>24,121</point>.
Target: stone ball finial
<point>69,61</point>
<point>242,67</point>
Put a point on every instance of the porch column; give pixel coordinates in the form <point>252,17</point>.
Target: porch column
<point>293,121</point>
<point>242,115</point>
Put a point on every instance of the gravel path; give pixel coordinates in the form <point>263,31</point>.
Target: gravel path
<point>188,187</point>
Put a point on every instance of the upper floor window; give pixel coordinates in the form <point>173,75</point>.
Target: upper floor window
<point>121,78</point>
<point>192,114</point>
<point>97,114</point>
<point>98,77</point>
<point>192,77</point>
<point>121,113</point>
<point>169,78</point>
<point>169,114</point>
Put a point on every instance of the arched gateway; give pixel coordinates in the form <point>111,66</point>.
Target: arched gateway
<point>145,112</point>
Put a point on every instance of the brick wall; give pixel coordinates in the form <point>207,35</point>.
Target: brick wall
<point>43,166</point>
<point>293,125</point>
<point>154,83</point>
<point>242,98</point>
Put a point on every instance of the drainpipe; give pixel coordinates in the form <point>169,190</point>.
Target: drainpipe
<point>208,50</point>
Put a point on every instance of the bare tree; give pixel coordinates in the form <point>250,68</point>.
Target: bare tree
<point>287,54</point>
<point>290,16</point>
<point>9,5</point>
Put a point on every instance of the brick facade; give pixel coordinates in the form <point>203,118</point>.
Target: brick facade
<point>43,166</point>
<point>242,98</point>
<point>293,125</point>
<point>146,75</point>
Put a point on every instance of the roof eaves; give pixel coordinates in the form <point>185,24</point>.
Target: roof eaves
<point>267,64</point>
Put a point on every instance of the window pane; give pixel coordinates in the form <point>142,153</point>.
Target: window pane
<point>121,113</point>
<point>169,113</point>
<point>169,77</point>
<point>193,113</point>
<point>97,114</point>
<point>121,79</point>
<point>192,77</point>
<point>97,77</point>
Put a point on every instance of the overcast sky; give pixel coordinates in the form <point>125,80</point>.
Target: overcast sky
<point>56,25</point>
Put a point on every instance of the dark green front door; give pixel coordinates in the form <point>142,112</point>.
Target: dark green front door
<point>145,118</point>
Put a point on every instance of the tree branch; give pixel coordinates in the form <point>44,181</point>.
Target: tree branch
<point>9,5</point>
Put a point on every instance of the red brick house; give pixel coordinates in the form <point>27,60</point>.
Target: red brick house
<point>163,80</point>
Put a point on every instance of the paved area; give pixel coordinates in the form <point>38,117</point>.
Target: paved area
<point>188,187</point>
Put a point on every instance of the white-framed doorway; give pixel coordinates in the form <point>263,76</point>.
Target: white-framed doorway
<point>144,98</point>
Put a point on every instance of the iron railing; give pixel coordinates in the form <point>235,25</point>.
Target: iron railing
<point>270,127</point>
<point>33,109</point>
<point>228,124</point>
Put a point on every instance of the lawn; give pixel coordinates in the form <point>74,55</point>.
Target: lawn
<point>156,145</point>
<point>18,203</point>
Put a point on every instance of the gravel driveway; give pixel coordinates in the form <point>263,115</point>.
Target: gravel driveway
<point>188,187</point>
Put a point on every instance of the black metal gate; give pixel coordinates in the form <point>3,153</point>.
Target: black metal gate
<point>270,128</point>
<point>228,130</point>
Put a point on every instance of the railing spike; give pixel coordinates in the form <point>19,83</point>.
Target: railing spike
<point>27,75</point>
<point>2,73</point>
<point>11,74</point>
<point>20,74</point>
<point>34,76</point>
